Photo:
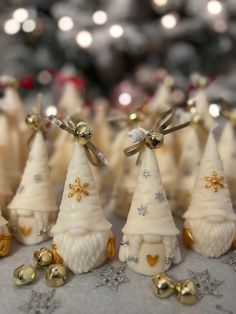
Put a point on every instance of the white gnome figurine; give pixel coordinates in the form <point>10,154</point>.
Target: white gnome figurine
<point>186,171</point>
<point>227,149</point>
<point>5,188</point>
<point>82,234</point>
<point>5,237</point>
<point>149,245</point>
<point>32,211</point>
<point>210,222</point>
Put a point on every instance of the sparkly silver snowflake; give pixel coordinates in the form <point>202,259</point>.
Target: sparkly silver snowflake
<point>142,210</point>
<point>41,303</point>
<point>37,178</point>
<point>205,283</point>
<point>20,189</point>
<point>229,258</point>
<point>160,196</point>
<point>111,276</point>
<point>146,173</point>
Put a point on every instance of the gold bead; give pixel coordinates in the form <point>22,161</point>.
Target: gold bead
<point>154,139</point>
<point>82,133</point>
<point>186,292</point>
<point>162,286</point>
<point>43,257</point>
<point>34,121</point>
<point>56,275</point>
<point>197,119</point>
<point>24,274</point>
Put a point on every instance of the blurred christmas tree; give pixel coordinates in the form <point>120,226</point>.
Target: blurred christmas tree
<point>112,40</point>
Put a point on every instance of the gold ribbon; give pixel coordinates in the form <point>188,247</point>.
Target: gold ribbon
<point>155,137</point>
<point>82,134</point>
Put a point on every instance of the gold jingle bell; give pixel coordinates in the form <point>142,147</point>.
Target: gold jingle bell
<point>24,274</point>
<point>56,275</point>
<point>186,292</point>
<point>43,257</point>
<point>34,121</point>
<point>82,133</point>
<point>197,119</point>
<point>154,139</point>
<point>134,117</point>
<point>162,286</point>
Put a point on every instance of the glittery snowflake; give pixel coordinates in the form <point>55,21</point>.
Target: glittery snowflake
<point>142,210</point>
<point>41,303</point>
<point>229,258</point>
<point>205,283</point>
<point>37,178</point>
<point>160,196</point>
<point>20,189</point>
<point>146,173</point>
<point>111,276</point>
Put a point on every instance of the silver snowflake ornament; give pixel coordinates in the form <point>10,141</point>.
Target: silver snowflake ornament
<point>146,173</point>
<point>205,283</point>
<point>37,178</point>
<point>142,210</point>
<point>111,276</point>
<point>160,196</point>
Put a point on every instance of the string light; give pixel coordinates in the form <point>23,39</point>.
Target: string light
<point>125,99</point>
<point>11,27</point>
<point>116,31</point>
<point>65,23</point>
<point>44,77</point>
<point>214,7</point>
<point>160,3</point>
<point>51,110</point>
<point>29,26</point>
<point>169,21</point>
<point>20,15</point>
<point>214,110</point>
<point>99,17</point>
<point>84,39</point>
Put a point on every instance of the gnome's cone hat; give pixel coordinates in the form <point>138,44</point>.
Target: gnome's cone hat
<point>202,107</point>
<point>3,221</point>
<point>150,212</point>
<point>5,188</point>
<point>71,100</point>
<point>85,214</point>
<point>14,104</point>
<point>35,191</point>
<point>207,201</point>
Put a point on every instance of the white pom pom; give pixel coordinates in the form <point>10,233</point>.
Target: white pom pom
<point>137,135</point>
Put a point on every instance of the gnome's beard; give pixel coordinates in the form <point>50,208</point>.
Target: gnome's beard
<point>211,239</point>
<point>82,253</point>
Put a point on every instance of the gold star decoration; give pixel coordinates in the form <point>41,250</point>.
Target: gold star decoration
<point>214,181</point>
<point>78,189</point>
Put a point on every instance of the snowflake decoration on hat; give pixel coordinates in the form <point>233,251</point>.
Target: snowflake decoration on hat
<point>77,189</point>
<point>214,181</point>
<point>142,210</point>
<point>146,173</point>
<point>37,178</point>
<point>160,196</point>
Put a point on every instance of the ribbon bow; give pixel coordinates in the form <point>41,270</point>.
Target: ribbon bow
<point>155,137</point>
<point>82,134</point>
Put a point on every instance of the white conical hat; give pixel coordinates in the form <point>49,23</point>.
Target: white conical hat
<point>150,212</point>
<point>35,191</point>
<point>14,104</point>
<point>206,202</point>
<point>227,149</point>
<point>189,160</point>
<point>5,188</point>
<point>3,221</point>
<point>161,101</point>
<point>70,101</point>
<point>86,214</point>
<point>202,107</point>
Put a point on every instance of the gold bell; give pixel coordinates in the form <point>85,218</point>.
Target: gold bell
<point>43,257</point>
<point>34,121</point>
<point>24,274</point>
<point>197,119</point>
<point>162,286</point>
<point>154,140</point>
<point>82,133</point>
<point>186,292</point>
<point>56,275</point>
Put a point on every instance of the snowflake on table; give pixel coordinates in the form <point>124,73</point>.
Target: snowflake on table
<point>205,283</point>
<point>41,303</point>
<point>142,210</point>
<point>111,276</point>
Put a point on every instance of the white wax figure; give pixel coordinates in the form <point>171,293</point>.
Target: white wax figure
<point>149,243</point>
<point>227,149</point>
<point>5,237</point>
<point>186,171</point>
<point>210,222</point>
<point>32,211</point>
<point>82,233</point>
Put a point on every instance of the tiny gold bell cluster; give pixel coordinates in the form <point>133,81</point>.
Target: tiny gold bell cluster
<point>56,275</point>
<point>34,121</point>
<point>185,290</point>
<point>154,139</point>
<point>24,274</point>
<point>82,133</point>
<point>43,257</point>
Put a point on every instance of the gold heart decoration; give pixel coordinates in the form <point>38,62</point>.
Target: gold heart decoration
<point>152,259</point>
<point>26,231</point>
